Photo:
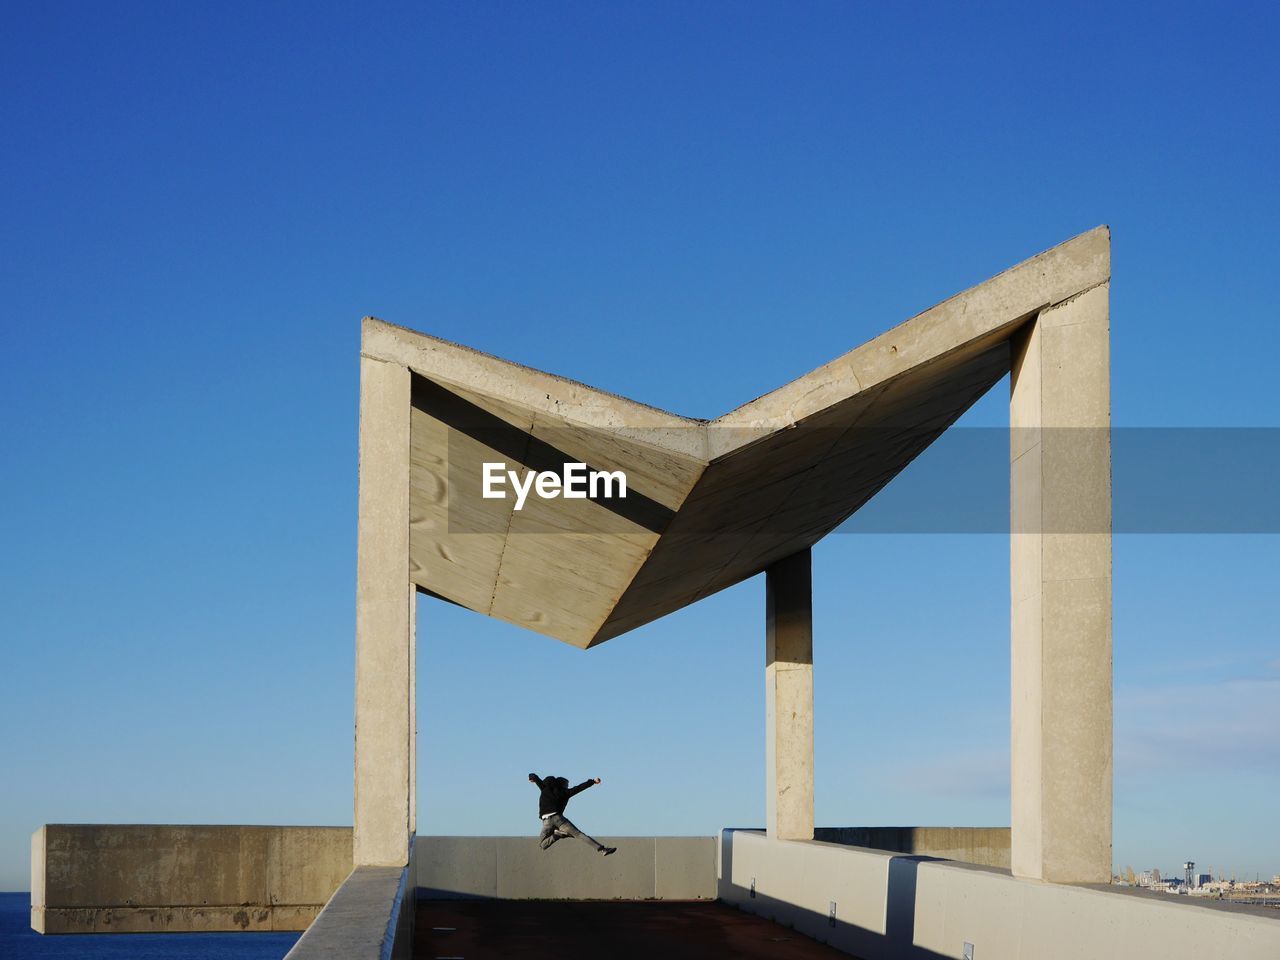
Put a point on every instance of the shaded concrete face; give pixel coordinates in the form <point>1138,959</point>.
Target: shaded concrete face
<point>1060,480</point>
<point>714,502</point>
<point>556,565</point>
<point>514,868</point>
<point>143,879</point>
<point>789,698</point>
<point>385,645</point>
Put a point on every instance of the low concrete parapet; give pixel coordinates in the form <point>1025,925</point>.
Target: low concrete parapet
<point>881,906</point>
<point>987,846</point>
<point>96,878</point>
<point>514,868</point>
<point>370,917</point>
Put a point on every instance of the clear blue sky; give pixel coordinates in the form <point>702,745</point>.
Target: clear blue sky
<point>688,204</point>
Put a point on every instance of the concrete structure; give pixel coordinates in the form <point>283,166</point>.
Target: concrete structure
<point>712,503</point>
<point>140,879</point>
<point>709,504</point>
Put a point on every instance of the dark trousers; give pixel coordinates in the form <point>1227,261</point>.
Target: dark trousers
<point>556,827</point>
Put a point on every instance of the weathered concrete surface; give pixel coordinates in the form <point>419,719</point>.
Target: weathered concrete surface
<point>789,698</point>
<point>986,846</point>
<point>385,726</point>
<point>890,907</point>
<point>1060,579</point>
<point>514,868</point>
<point>90,878</point>
<point>709,503</point>
<point>370,917</point>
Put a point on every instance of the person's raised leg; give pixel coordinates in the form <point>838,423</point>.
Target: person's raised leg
<point>567,828</point>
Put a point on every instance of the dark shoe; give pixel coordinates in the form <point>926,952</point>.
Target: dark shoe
<point>605,851</point>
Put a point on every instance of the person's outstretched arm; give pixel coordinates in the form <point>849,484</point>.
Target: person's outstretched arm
<point>582,786</point>
<point>535,779</point>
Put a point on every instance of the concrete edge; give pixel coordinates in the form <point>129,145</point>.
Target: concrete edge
<point>361,920</point>
<point>1000,303</point>
<point>455,364</point>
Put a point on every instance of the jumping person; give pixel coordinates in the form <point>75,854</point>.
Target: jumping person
<point>554,796</point>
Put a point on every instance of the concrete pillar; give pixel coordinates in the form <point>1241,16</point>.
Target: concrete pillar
<point>789,698</point>
<point>413,710</point>
<point>1060,577</point>
<point>384,622</point>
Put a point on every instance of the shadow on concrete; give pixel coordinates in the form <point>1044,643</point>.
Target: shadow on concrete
<point>897,941</point>
<point>900,908</point>
<point>440,893</point>
<point>533,453</point>
<point>849,938</point>
<point>613,929</point>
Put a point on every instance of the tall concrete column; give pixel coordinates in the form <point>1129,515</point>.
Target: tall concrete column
<point>384,622</point>
<point>1060,575</point>
<point>789,698</point>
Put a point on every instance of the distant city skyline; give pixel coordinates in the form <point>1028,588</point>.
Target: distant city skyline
<point>206,199</point>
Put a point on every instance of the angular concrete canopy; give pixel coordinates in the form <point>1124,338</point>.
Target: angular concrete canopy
<point>709,503</point>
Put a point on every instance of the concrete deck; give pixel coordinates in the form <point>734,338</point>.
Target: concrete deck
<point>534,930</point>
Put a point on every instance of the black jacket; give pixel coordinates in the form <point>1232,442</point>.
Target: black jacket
<point>555,793</point>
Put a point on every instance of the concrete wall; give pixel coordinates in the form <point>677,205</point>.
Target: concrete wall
<point>890,907</point>
<point>514,868</point>
<point>92,878</point>
<point>986,846</point>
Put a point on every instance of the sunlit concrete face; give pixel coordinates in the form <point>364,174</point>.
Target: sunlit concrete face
<point>384,732</point>
<point>1060,580</point>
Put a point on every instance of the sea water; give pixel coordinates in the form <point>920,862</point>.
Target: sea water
<point>19,942</point>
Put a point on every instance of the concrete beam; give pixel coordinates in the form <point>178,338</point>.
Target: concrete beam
<point>385,599</point>
<point>709,503</point>
<point>1060,577</point>
<point>789,698</point>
